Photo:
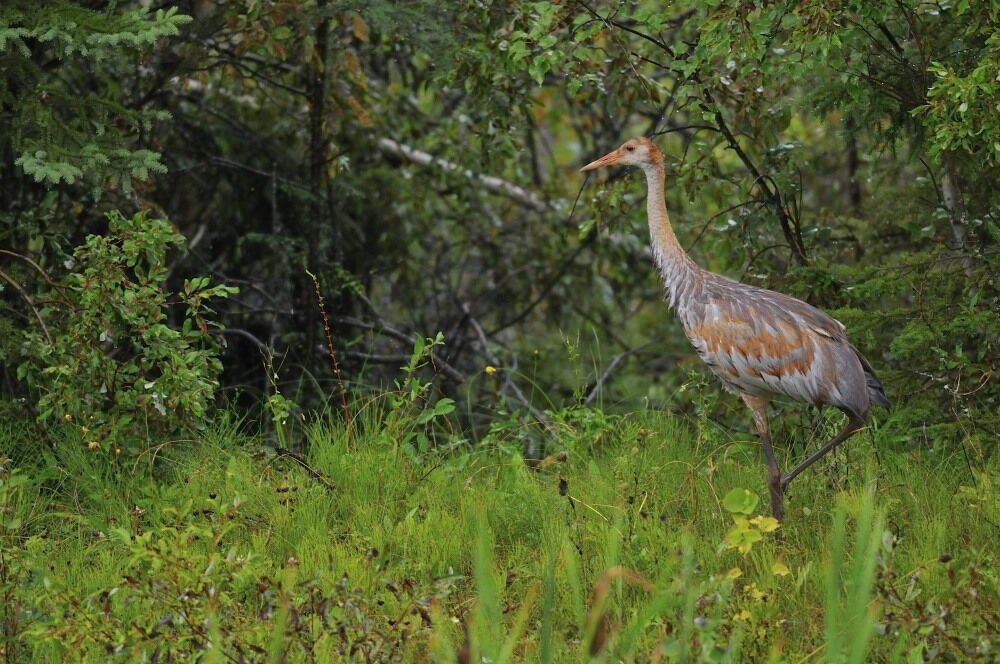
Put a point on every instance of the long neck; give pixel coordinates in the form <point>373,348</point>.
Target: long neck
<point>676,267</point>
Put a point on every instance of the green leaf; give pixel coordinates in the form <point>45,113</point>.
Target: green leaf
<point>740,501</point>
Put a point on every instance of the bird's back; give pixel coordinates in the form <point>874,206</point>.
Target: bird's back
<point>762,342</point>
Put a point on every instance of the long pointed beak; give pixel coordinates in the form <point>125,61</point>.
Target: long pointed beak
<point>610,159</point>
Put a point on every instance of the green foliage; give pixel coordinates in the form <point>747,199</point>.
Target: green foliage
<point>14,568</point>
<point>808,149</point>
<point>806,152</point>
<point>745,532</point>
<point>954,624</point>
<point>612,552</point>
<point>740,501</point>
<point>848,618</point>
<point>185,592</point>
<point>59,133</point>
<point>413,411</point>
<point>108,360</point>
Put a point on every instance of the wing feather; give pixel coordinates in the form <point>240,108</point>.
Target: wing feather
<point>763,342</point>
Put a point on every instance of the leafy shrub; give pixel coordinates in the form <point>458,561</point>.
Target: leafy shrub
<point>186,593</point>
<point>106,357</point>
<point>13,566</point>
<point>412,410</point>
<point>958,623</point>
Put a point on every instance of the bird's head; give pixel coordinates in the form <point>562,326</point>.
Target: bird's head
<point>638,151</point>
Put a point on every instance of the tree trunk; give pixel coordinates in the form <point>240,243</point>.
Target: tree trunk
<point>958,216</point>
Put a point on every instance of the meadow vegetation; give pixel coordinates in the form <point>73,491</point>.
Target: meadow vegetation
<point>315,345</point>
<point>640,537</point>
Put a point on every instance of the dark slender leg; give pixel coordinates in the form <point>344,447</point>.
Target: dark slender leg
<point>853,426</point>
<point>758,408</point>
<point>774,485</point>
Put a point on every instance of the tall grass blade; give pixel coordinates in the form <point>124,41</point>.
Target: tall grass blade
<point>849,585</point>
<point>548,604</point>
<point>517,629</point>
<point>572,573</point>
<point>488,616</point>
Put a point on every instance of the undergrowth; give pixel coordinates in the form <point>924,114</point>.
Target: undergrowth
<point>630,545</point>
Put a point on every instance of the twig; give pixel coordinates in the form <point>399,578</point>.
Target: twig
<point>386,330</point>
<point>242,333</point>
<point>40,271</point>
<point>615,361</point>
<point>493,359</point>
<point>27,298</point>
<point>559,272</point>
<point>297,458</point>
<point>773,195</point>
<point>345,411</point>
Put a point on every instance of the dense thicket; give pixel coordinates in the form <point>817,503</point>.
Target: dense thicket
<point>419,158</point>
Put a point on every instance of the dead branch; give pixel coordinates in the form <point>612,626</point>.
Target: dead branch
<point>493,359</point>
<point>27,298</point>
<point>487,182</point>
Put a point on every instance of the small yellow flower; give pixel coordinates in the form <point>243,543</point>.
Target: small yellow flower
<point>93,445</point>
<point>780,569</point>
<point>489,370</point>
<point>118,451</point>
<point>743,615</point>
<point>734,574</point>
<point>68,417</point>
<point>84,430</point>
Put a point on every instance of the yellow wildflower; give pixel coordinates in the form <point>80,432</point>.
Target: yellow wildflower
<point>68,417</point>
<point>780,569</point>
<point>93,445</point>
<point>489,370</point>
<point>743,615</point>
<point>756,593</point>
<point>734,574</point>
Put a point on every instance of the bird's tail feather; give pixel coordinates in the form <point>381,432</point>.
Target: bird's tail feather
<point>876,393</point>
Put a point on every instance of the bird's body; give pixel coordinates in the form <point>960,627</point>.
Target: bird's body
<point>758,342</point>
<point>763,343</point>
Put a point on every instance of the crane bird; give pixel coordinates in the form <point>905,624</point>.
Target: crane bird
<point>758,342</point>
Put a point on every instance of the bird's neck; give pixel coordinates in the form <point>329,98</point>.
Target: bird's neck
<point>676,267</point>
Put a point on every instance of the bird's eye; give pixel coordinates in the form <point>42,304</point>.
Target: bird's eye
<point>630,148</point>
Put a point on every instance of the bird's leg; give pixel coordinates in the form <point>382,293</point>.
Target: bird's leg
<point>854,425</point>
<point>774,485</point>
<point>758,408</point>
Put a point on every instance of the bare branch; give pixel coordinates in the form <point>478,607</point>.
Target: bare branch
<point>493,359</point>
<point>488,182</point>
<point>615,361</point>
<point>764,181</point>
<point>27,298</point>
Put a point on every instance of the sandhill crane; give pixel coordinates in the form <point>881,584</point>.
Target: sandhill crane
<point>758,342</point>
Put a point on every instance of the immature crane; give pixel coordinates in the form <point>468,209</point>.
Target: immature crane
<point>758,342</point>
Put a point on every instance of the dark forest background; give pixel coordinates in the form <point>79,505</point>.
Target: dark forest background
<point>420,160</point>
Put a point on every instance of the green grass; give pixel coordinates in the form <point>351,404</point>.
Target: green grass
<point>616,551</point>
